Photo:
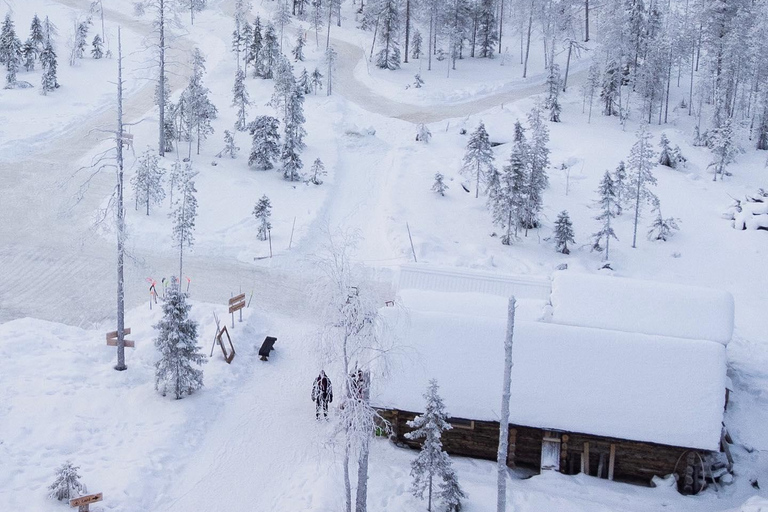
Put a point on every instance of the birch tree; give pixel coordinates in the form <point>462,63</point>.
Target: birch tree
<point>641,162</point>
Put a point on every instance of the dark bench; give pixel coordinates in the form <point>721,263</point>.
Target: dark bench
<point>267,347</point>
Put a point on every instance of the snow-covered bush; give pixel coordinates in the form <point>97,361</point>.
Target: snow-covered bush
<point>750,213</point>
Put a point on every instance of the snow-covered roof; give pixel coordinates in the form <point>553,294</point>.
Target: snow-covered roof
<point>609,383</point>
<point>632,305</point>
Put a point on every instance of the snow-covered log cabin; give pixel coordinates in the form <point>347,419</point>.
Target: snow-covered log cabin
<point>617,378</point>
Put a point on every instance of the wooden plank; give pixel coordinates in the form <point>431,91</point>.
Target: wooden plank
<point>128,343</point>
<point>236,307</point>
<point>113,334</point>
<point>611,461</point>
<point>585,459</point>
<point>85,500</point>
<point>237,298</point>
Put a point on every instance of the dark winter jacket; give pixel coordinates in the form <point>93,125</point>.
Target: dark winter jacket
<point>322,389</point>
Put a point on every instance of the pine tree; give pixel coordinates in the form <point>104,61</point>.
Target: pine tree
<point>450,492</point>
<point>37,34</point>
<point>724,149</point>
<point>433,463</point>
<point>330,61</point>
<point>10,50</point>
<point>67,484</point>
<point>508,206</point>
<point>185,213</point>
<point>177,343</point>
<point>641,163</point>
<point>553,91</point>
<point>298,50</point>
<point>230,148</point>
<point>48,61</point>
<point>256,52</point>
<point>389,33</point>
<point>247,45</point>
<point>293,135</point>
<point>316,80</point>
<point>240,100</point>
<point>611,88</point>
<point>487,33</point>
<point>318,171</point>
<point>81,38</point>
<point>538,161</point>
<point>563,232</point>
<point>266,139</point>
<point>423,134</point>
<point>97,51</point>
<point>197,107</point>
<point>416,45</point>
<point>148,180</point>
<point>663,229</point>
<point>620,183</point>
<point>270,51</point>
<point>263,212</point>
<point>282,18</point>
<point>29,55</point>
<point>666,157</point>
<point>303,82</point>
<point>439,185</point>
<point>478,160</point>
<point>608,207</point>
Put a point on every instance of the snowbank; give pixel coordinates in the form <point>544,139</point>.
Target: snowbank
<point>617,384</point>
<point>632,305</point>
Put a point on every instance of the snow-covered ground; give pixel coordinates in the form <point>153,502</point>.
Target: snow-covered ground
<point>248,440</point>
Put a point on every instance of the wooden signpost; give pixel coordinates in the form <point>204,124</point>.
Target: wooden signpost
<point>236,304</point>
<point>112,338</point>
<point>229,354</point>
<point>84,501</point>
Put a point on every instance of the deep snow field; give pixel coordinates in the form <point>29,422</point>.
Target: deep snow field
<point>248,441</point>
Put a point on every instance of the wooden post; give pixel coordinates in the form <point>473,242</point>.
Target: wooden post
<point>611,461</point>
<point>269,235</point>
<point>585,459</point>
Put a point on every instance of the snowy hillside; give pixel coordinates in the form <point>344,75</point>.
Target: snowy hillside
<point>248,439</point>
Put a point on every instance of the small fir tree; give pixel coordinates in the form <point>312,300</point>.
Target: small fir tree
<point>554,84</point>
<point>620,184</point>
<point>537,160</point>
<point>439,186</point>
<point>241,100</point>
<point>298,50</point>
<point>270,51</point>
<point>433,463</point>
<point>81,38</point>
<point>266,142</point>
<point>176,341</point>
<point>230,148</point>
<point>563,233</point>
<point>97,50</point>
<point>724,149</point>
<point>37,34</point>
<point>641,163</point>
<point>663,229</point>
<point>29,55</point>
<point>148,180</point>
<point>48,60</point>
<point>450,492</point>
<point>185,213</point>
<point>316,79</point>
<point>389,31</point>
<point>416,45</point>
<point>608,206</point>
<point>263,212</point>
<point>318,171</point>
<point>478,160</point>
<point>666,156</point>
<point>67,484</point>
<point>255,55</point>
<point>303,82</point>
<point>423,134</point>
<point>508,206</point>
<point>417,81</point>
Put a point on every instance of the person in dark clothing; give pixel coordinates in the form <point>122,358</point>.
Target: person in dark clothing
<point>322,394</point>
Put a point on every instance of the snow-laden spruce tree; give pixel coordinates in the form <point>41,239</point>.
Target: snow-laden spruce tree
<point>198,108</point>
<point>724,149</point>
<point>330,62</point>
<point>666,156</point>
<point>148,181</point>
<point>67,484</point>
<point>508,206</point>
<point>416,45</point>
<point>185,213</point>
<point>662,229</point>
<point>230,148</point>
<point>298,50</point>
<point>554,84</point>
<point>240,100</point>
<point>49,81</point>
<point>97,47</point>
<point>432,464</point>
<point>478,159</point>
<point>303,82</point>
<point>270,51</point>
<point>318,171</point>
<point>608,206</point>
<point>10,50</point>
<point>563,232</point>
<point>619,177</point>
<point>37,34</point>
<point>81,37</point>
<point>316,79</point>
<point>389,33</point>
<point>439,186</point>
<point>175,371</point>
<point>29,55</point>
<point>281,16</point>
<point>487,28</point>
<point>538,161</point>
<point>266,142</point>
<point>263,212</point>
<point>423,134</point>
<point>255,55</point>
<point>293,135</point>
<point>642,160</point>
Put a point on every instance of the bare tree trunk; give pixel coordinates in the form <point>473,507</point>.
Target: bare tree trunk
<point>528,43</point>
<point>161,88</point>
<point>669,79</point>
<point>407,27</point>
<point>501,456</point>
<point>361,497</point>
<point>501,22</point>
<point>120,214</point>
<point>429,44</point>
<point>586,21</point>
<point>330,11</point>
<point>567,65</point>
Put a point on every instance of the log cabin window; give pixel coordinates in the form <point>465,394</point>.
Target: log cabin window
<point>461,423</point>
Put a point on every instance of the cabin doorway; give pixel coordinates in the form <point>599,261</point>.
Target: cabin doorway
<point>550,452</point>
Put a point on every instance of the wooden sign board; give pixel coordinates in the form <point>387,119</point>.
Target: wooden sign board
<point>236,307</point>
<point>112,338</point>
<point>84,501</point>
<point>235,300</point>
<point>229,354</point>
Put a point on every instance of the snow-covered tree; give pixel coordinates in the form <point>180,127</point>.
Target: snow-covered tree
<point>642,160</point>
<point>195,6</point>
<point>176,341</point>
<point>619,177</point>
<point>97,47</point>
<point>666,158</point>
<point>508,206</point>
<point>10,50</point>
<point>303,82</point>
<point>554,83</point>
<point>81,38</point>
<point>265,148</point>
<point>318,171</point>
<point>439,186</point>
<point>255,54</point>
<point>330,62</point>
<point>316,19</point>
<point>148,181</point>
<point>608,210</point>
<point>724,149</point>
<point>316,79</point>
<point>416,45</point>
<point>241,100</point>
<point>538,161</point>
<point>423,134</point>
<point>29,55</point>
<point>198,109</point>
<point>433,463</point>
<point>185,213</point>
<point>67,484</point>
<point>298,50</point>
<point>487,29</point>
<point>48,61</point>
<point>230,148</point>
<point>611,88</point>
<point>282,18</point>
<point>389,33</point>
<point>418,82</point>
<point>591,86</point>
<point>263,212</point>
<point>37,34</point>
<point>293,135</point>
<point>563,232</point>
<point>478,159</point>
<point>270,51</point>
<point>663,228</point>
